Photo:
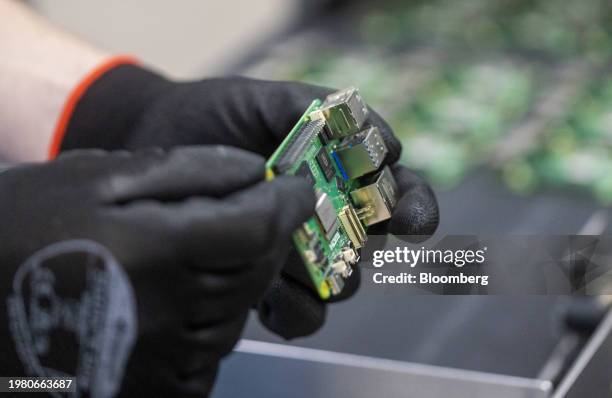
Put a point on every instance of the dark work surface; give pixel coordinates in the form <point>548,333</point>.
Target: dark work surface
<point>512,336</point>
<point>482,205</point>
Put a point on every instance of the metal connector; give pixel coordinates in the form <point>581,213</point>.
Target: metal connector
<point>344,112</point>
<point>336,283</point>
<point>377,199</point>
<point>352,226</point>
<point>362,153</point>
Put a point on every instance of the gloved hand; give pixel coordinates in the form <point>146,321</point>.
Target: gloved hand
<point>147,262</point>
<point>130,107</point>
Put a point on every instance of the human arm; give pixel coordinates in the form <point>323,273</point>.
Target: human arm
<point>40,66</point>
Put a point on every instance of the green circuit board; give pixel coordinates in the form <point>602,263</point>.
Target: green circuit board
<point>335,165</point>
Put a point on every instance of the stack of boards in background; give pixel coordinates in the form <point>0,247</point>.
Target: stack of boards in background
<point>518,87</point>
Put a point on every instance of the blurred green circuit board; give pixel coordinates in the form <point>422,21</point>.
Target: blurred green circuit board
<point>575,151</point>
<point>465,84</point>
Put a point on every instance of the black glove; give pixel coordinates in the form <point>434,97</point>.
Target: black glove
<point>130,107</point>
<point>147,262</point>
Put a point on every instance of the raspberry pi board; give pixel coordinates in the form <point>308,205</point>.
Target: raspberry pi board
<point>332,146</point>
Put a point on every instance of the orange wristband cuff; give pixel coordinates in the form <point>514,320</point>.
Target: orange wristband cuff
<point>76,95</point>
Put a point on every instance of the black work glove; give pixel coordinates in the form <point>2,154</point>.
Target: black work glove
<point>146,262</point>
<point>130,107</point>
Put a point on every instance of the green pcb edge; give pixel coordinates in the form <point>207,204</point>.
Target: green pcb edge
<point>332,247</point>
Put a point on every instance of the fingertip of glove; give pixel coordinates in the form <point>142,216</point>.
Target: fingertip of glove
<point>290,310</point>
<point>222,152</point>
<point>415,215</point>
<point>296,192</point>
<point>224,161</point>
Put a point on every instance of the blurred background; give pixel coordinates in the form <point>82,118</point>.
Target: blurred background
<point>518,87</point>
<point>505,106</point>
